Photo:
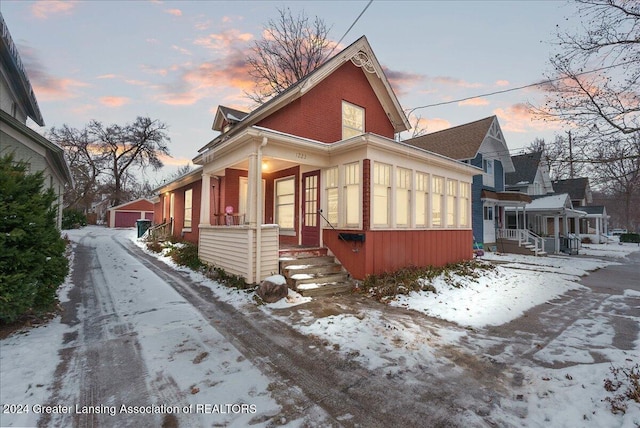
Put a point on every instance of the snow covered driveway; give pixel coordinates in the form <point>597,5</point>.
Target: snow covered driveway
<point>177,349</point>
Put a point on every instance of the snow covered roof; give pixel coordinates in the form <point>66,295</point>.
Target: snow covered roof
<point>551,202</point>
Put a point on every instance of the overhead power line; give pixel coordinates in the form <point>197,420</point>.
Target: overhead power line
<point>350,27</point>
<point>514,89</point>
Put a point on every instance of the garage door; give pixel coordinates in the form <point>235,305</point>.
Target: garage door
<point>126,218</point>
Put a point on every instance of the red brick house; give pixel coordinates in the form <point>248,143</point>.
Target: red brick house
<point>318,166</point>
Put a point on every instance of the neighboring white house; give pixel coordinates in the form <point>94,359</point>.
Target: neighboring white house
<point>17,103</point>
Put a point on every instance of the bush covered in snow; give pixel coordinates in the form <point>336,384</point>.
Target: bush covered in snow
<point>390,284</point>
<point>32,259</point>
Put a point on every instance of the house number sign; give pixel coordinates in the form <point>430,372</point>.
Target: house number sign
<point>301,155</point>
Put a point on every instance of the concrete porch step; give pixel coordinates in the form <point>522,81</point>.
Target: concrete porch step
<point>311,272</point>
<point>306,261</point>
<point>296,280</point>
<point>328,289</point>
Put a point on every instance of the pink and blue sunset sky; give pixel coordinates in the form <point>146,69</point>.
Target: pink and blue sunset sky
<point>176,61</point>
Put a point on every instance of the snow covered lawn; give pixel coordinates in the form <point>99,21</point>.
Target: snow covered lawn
<point>569,396</point>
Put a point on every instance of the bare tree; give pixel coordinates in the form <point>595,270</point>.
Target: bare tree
<point>617,169</point>
<point>607,100</point>
<point>139,144</point>
<point>291,48</point>
<point>106,156</point>
<point>85,164</point>
<point>563,161</point>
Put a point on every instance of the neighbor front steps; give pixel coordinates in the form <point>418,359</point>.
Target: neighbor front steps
<point>509,246</point>
<point>311,272</point>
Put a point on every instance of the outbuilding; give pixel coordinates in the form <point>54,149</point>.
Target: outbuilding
<point>125,215</point>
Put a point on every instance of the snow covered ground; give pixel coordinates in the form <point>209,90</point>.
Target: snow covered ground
<point>566,397</point>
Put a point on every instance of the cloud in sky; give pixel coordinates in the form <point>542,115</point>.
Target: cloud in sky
<point>502,83</point>
<point>520,118</point>
<point>174,12</point>
<point>223,41</point>
<point>112,101</point>
<point>46,86</point>
<point>452,81</point>
<point>45,9</point>
<point>474,102</point>
<point>402,81</point>
<point>228,70</point>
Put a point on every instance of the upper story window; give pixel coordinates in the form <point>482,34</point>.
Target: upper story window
<point>352,120</point>
<point>488,178</point>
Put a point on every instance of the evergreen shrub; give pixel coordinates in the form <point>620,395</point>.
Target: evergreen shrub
<point>32,259</point>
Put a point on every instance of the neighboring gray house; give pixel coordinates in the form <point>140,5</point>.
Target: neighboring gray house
<point>531,175</point>
<point>17,103</point>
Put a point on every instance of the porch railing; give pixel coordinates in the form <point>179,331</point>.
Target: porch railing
<point>570,244</point>
<point>524,237</point>
<point>160,231</point>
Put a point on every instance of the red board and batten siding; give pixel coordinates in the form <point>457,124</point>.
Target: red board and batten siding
<point>318,114</point>
<point>390,250</point>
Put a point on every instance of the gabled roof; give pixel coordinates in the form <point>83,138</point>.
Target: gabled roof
<point>459,142</point>
<point>54,152</point>
<point>594,209</point>
<point>183,180</point>
<point>464,142</point>
<point>550,202</point>
<point>228,115</point>
<point>361,54</point>
<point>17,75</point>
<point>577,188</point>
<point>126,204</point>
<point>526,166</point>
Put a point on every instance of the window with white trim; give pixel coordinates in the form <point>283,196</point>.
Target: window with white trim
<point>285,203</point>
<point>331,191</point>
<point>403,197</point>
<point>437,191</point>
<point>452,196</point>
<point>422,199</point>
<point>352,120</point>
<point>465,205</point>
<point>351,194</point>
<point>188,208</point>
<point>381,193</point>
<point>488,178</point>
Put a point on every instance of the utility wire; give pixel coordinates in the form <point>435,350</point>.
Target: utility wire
<point>515,89</point>
<point>349,29</point>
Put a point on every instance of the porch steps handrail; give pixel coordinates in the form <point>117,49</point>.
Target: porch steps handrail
<point>524,237</point>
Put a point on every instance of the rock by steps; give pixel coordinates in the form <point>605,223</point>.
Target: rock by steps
<point>311,272</point>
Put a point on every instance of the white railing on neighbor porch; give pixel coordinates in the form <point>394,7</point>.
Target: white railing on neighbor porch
<point>524,237</point>
<point>236,249</point>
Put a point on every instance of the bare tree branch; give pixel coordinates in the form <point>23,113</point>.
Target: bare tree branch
<point>291,48</point>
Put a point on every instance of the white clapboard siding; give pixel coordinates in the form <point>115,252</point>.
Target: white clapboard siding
<point>234,250</point>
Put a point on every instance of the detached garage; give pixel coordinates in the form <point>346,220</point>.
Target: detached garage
<point>125,215</point>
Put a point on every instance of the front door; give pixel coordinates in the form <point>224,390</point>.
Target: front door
<point>310,205</point>
<point>489,224</point>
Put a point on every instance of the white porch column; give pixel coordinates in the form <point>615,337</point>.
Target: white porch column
<point>205,200</point>
<point>556,233</point>
<point>577,222</point>
<point>598,225</point>
<point>565,225</point>
<point>252,190</point>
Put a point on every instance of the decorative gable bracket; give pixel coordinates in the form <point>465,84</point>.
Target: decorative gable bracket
<point>362,60</point>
